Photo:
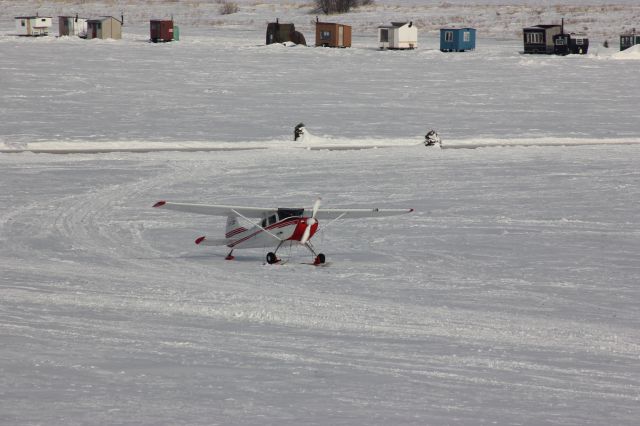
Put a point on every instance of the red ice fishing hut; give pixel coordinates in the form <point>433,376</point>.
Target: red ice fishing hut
<point>162,30</point>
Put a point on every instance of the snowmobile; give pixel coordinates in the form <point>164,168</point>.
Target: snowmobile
<point>432,138</point>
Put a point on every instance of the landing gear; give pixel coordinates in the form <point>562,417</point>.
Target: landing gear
<point>319,257</point>
<point>230,256</point>
<point>271,258</point>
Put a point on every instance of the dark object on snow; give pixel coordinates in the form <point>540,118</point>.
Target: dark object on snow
<point>298,132</point>
<point>432,138</point>
<point>282,33</point>
<point>571,43</point>
<point>575,44</point>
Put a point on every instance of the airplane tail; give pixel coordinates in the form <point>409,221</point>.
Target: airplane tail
<point>233,227</point>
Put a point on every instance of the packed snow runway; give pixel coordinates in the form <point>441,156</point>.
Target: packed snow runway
<point>509,296</point>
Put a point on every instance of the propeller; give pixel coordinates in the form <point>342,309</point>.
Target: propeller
<point>310,222</point>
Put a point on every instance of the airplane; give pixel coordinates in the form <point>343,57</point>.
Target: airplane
<point>274,225</point>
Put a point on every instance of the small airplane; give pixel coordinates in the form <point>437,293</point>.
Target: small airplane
<point>274,225</point>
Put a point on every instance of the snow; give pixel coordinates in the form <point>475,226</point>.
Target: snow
<point>631,53</point>
<point>510,295</point>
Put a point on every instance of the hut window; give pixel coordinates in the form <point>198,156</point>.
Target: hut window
<point>534,38</point>
<point>325,35</point>
<point>22,23</point>
<point>448,36</point>
<point>384,35</point>
<point>466,36</point>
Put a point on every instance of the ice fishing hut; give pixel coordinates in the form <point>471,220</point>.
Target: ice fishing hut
<point>457,39</point>
<point>575,44</point>
<point>33,25</point>
<point>282,33</point>
<point>629,39</point>
<point>163,30</point>
<point>570,43</point>
<point>539,38</point>
<point>104,27</point>
<point>398,35</point>
<point>72,26</point>
<point>329,34</point>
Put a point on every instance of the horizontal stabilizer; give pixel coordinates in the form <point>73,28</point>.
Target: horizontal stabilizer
<point>204,241</point>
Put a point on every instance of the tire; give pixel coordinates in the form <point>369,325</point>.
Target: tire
<point>271,258</point>
<point>320,259</point>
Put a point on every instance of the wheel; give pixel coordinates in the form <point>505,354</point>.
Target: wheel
<point>320,259</point>
<point>271,258</point>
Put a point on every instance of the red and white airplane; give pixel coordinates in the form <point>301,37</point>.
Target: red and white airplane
<point>274,225</point>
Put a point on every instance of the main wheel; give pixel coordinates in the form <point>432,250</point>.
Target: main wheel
<point>320,259</point>
<point>271,258</point>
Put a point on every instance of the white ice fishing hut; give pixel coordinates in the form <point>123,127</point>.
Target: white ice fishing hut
<point>33,25</point>
<point>72,26</point>
<point>398,35</point>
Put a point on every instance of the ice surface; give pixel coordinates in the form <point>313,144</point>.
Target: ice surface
<point>510,296</point>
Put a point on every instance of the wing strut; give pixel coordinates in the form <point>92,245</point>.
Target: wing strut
<point>255,224</point>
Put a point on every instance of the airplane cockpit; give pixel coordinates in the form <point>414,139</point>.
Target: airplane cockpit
<point>280,215</point>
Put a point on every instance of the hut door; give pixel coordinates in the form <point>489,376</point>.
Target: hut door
<point>340,36</point>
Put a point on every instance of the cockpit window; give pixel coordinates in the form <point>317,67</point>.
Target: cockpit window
<point>285,213</point>
<point>272,219</point>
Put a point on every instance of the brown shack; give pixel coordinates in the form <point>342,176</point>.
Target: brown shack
<point>282,33</point>
<point>329,34</point>
<point>161,30</point>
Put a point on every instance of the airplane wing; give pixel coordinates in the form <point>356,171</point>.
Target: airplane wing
<point>215,210</point>
<point>356,213</point>
<point>258,212</point>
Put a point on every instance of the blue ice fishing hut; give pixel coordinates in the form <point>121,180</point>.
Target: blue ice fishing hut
<point>457,39</point>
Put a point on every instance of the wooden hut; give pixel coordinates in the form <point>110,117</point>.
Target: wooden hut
<point>282,33</point>
<point>629,39</point>
<point>104,27</point>
<point>398,35</point>
<point>33,25</point>
<point>457,39</point>
<point>163,30</point>
<point>539,38</point>
<point>72,26</point>
<point>329,34</point>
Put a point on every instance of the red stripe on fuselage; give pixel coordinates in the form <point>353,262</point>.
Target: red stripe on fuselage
<point>235,231</point>
<point>286,222</point>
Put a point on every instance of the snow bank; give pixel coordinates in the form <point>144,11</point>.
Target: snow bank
<point>632,53</point>
<point>309,142</point>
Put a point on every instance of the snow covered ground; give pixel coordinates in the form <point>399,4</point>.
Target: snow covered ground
<point>510,296</point>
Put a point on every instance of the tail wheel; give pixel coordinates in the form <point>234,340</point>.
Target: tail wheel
<point>271,258</point>
<point>320,259</point>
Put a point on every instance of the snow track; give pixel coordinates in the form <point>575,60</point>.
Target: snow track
<point>482,306</point>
